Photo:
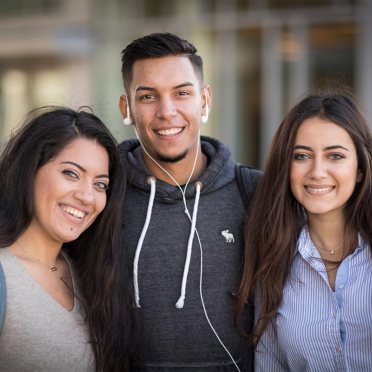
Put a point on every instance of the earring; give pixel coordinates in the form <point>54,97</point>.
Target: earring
<point>127,120</point>
<point>204,118</point>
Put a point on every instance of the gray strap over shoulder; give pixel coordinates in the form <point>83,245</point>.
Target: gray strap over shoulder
<point>247,179</point>
<point>2,297</point>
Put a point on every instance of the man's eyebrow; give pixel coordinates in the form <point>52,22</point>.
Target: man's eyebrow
<point>141,87</point>
<point>187,84</point>
<point>83,169</point>
<point>325,148</point>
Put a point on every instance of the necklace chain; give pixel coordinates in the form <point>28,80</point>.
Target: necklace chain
<point>331,251</point>
<point>54,268</point>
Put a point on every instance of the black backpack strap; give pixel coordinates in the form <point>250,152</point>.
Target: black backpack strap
<point>247,179</point>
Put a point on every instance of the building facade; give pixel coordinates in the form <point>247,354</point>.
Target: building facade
<point>259,56</point>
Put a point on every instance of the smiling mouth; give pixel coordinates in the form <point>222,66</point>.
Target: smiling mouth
<point>169,132</point>
<point>319,190</point>
<point>73,211</point>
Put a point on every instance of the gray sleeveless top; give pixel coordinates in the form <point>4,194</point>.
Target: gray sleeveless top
<point>38,333</point>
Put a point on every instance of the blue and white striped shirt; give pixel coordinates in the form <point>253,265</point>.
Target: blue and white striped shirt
<point>318,329</point>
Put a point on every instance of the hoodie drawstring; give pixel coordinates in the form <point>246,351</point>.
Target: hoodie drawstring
<point>142,238</point>
<point>181,300</point>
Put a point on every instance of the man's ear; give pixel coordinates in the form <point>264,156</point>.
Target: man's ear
<point>207,97</point>
<point>359,176</point>
<point>124,108</point>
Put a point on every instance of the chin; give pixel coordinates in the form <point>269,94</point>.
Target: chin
<point>67,237</point>
<point>172,158</point>
<point>318,210</point>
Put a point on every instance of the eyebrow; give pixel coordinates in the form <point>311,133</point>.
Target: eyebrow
<point>145,88</point>
<point>187,84</point>
<point>151,89</point>
<point>325,148</point>
<point>83,169</point>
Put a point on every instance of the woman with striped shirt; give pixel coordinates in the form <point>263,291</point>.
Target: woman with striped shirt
<point>308,259</point>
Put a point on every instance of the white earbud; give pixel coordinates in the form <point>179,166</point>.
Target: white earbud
<point>127,120</point>
<point>204,118</point>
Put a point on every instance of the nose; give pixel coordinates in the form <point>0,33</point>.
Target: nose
<point>318,169</point>
<point>166,109</point>
<point>85,194</point>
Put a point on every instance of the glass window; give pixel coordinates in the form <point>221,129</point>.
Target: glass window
<point>248,104</point>
<point>25,88</point>
<point>13,100</point>
<point>242,5</point>
<point>27,7</point>
<point>332,54</point>
<point>160,8</point>
<point>207,6</point>
<point>293,4</point>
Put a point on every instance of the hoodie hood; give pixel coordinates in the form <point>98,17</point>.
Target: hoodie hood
<point>219,172</point>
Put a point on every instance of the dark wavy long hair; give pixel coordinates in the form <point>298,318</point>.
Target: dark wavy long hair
<point>98,255</point>
<point>276,218</point>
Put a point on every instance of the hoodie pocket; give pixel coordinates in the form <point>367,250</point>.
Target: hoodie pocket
<point>192,367</point>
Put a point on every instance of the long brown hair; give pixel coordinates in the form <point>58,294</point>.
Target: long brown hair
<point>100,260</point>
<point>276,218</point>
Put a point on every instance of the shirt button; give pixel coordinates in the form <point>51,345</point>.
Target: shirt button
<point>338,349</point>
<point>341,286</point>
<point>335,315</point>
<point>350,258</point>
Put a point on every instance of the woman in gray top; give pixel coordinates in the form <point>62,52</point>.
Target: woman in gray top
<point>68,304</point>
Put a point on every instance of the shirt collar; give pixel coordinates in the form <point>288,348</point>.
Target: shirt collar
<point>307,249</point>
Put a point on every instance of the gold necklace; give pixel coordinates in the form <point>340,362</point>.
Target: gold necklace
<point>54,268</point>
<point>332,251</point>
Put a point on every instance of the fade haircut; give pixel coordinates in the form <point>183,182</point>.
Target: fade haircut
<point>158,45</point>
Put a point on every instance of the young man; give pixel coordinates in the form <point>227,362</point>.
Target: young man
<point>184,277</point>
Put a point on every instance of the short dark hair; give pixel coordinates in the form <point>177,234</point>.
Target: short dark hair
<point>98,256</point>
<point>158,45</point>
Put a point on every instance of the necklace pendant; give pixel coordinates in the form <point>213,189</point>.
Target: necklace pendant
<point>332,251</point>
<point>55,269</point>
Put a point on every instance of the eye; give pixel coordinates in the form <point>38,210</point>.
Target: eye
<point>146,97</point>
<point>183,93</point>
<point>301,156</point>
<point>336,156</point>
<point>70,174</point>
<point>102,185</point>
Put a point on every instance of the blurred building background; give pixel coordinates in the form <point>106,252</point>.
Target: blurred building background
<point>259,56</point>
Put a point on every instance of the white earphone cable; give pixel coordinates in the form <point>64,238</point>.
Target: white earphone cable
<point>181,300</point>
<point>193,230</point>
<point>202,301</point>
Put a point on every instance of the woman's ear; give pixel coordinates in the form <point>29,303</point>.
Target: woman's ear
<point>359,176</point>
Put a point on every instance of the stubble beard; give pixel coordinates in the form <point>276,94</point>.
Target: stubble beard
<point>171,159</point>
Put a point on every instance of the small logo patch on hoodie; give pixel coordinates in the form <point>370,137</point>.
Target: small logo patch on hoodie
<point>228,236</point>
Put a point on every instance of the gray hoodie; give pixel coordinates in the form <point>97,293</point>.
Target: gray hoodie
<point>182,338</point>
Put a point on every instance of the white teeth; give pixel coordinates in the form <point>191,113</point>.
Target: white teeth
<point>169,132</point>
<point>319,190</point>
<point>74,212</point>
